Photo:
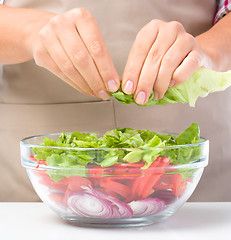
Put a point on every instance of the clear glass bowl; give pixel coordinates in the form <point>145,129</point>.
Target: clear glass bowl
<point>122,195</point>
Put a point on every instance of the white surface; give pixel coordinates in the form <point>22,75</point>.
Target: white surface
<point>196,221</point>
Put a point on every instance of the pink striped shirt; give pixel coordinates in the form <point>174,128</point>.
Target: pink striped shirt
<point>224,7</point>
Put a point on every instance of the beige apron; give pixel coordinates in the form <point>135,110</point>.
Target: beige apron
<point>33,101</point>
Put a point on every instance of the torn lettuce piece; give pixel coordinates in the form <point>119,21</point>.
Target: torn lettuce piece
<point>200,84</point>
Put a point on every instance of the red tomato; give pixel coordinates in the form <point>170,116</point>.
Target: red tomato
<point>76,182</point>
<point>60,185</point>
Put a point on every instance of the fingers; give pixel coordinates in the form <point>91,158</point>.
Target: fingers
<point>43,59</point>
<point>96,46</point>
<point>74,43</point>
<point>59,56</point>
<point>137,56</point>
<point>97,69</point>
<point>186,69</point>
<point>170,62</point>
<point>150,69</point>
<point>160,57</point>
<point>80,59</point>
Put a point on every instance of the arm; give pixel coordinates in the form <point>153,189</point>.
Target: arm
<point>158,60</point>
<point>18,28</point>
<point>69,45</point>
<point>217,44</point>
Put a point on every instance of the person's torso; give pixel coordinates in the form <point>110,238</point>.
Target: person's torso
<point>119,22</point>
<point>33,101</point>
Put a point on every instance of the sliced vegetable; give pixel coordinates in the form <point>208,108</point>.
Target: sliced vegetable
<point>147,207</point>
<point>125,174</point>
<point>178,185</point>
<point>116,187</point>
<point>76,183</point>
<point>124,209</point>
<point>90,206</point>
<point>143,185</point>
<point>94,204</point>
<point>61,185</point>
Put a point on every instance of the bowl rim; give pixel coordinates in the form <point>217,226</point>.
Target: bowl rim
<point>82,171</point>
<point>33,165</point>
<point>23,141</point>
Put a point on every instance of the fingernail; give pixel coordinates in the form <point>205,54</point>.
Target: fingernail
<point>103,94</point>
<point>112,87</point>
<point>156,95</point>
<point>172,83</point>
<point>140,98</point>
<point>128,88</point>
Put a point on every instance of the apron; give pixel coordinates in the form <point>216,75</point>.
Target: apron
<point>34,101</point>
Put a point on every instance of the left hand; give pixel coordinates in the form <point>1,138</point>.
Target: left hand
<point>163,55</point>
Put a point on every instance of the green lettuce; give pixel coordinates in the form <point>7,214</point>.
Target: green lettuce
<point>200,84</point>
<point>185,154</point>
<point>120,145</point>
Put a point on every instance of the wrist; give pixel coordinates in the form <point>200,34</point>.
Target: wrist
<point>32,29</point>
<point>212,55</point>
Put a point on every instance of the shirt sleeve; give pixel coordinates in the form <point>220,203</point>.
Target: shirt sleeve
<point>224,7</point>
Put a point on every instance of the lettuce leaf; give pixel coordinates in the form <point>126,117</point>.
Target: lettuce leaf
<point>183,155</point>
<point>200,84</point>
<point>120,145</point>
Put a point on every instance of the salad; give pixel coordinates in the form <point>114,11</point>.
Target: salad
<point>125,173</point>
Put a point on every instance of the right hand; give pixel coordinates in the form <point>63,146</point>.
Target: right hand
<point>71,46</point>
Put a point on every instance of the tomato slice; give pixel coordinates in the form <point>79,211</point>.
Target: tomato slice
<point>143,185</point>
<point>76,182</point>
<point>178,185</point>
<point>61,185</point>
<point>116,187</point>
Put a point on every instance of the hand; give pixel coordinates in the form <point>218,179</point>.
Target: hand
<point>71,46</point>
<point>163,55</point>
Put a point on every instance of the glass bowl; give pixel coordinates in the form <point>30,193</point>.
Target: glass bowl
<point>122,195</point>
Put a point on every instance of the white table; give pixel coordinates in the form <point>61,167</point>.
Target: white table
<point>194,221</point>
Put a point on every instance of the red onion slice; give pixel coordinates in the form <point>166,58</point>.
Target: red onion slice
<point>124,209</point>
<point>146,207</point>
<point>95,204</point>
<point>87,205</point>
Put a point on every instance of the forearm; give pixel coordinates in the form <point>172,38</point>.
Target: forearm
<point>217,44</point>
<point>18,29</point>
